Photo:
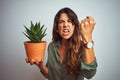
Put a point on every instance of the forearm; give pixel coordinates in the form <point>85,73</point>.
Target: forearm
<point>88,56</point>
<point>43,68</point>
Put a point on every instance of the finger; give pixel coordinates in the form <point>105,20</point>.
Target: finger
<point>91,20</point>
<point>37,62</point>
<point>86,23</point>
<point>26,59</point>
<point>89,17</point>
<point>82,25</point>
<point>82,21</point>
<point>32,61</point>
<point>41,60</point>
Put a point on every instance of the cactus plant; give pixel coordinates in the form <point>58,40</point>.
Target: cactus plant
<point>35,33</point>
<point>35,48</point>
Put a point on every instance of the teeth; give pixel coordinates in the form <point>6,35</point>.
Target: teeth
<point>66,30</point>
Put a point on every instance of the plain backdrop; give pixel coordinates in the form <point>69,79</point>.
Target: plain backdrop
<point>14,14</point>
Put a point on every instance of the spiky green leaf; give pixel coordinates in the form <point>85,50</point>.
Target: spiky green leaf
<point>36,32</point>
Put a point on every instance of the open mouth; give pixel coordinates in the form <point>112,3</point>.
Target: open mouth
<point>66,32</point>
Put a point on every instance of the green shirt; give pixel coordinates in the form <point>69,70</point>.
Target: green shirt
<point>56,71</point>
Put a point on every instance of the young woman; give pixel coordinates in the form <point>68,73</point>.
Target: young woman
<point>71,52</point>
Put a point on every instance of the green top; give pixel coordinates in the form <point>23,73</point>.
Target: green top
<point>56,71</point>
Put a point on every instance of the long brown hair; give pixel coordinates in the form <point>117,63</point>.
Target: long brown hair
<point>73,63</point>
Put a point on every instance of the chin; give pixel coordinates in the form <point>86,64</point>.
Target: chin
<point>66,37</point>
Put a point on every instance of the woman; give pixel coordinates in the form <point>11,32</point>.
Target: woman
<point>71,52</point>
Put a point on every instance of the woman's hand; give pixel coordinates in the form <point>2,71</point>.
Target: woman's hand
<point>86,28</point>
<point>33,61</point>
<point>40,64</point>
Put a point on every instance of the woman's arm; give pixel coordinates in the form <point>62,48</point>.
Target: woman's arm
<point>89,70</point>
<point>43,68</point>
<point>86,29</point>
<point>88,56</point>
<point>88,62</point>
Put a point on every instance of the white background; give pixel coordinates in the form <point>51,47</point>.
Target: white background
<point>14,14</point>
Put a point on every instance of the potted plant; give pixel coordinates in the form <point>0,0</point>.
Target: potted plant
<point>35,48</point>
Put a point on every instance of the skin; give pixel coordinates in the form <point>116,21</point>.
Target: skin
<point>66,29</point>
<point>86,29</point>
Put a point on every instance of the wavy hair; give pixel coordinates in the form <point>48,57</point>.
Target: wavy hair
<point>73,63</point>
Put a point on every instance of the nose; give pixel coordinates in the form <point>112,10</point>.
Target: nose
<point>65,24</point>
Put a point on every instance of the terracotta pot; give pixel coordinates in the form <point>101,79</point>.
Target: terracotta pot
<point>35,51</point>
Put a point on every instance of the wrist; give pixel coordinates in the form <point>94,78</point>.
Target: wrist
<point>88,44</point>
<point>87,39</point>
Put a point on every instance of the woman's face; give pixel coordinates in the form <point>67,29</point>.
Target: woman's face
<point>65,26</point>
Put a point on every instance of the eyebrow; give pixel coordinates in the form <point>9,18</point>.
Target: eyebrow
<point>63,20</point>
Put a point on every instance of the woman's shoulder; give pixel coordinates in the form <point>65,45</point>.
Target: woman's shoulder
<point>50,44</point>
<point>53,43</point>
<point>53,46</point>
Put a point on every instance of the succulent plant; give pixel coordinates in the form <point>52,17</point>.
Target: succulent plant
<point>35,33</point>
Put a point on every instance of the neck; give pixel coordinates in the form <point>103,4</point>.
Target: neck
<point>64,42</point>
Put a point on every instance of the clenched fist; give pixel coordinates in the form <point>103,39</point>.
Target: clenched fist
<point>86,28</point>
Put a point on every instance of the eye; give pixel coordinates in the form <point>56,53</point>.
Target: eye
<point>70,21</point>
<point>61,21</point>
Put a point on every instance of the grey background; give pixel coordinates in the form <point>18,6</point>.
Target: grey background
<point>14,14</point>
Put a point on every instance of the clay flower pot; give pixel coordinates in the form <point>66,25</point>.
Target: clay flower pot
<point>35,48</point>
<point>35,51</point>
